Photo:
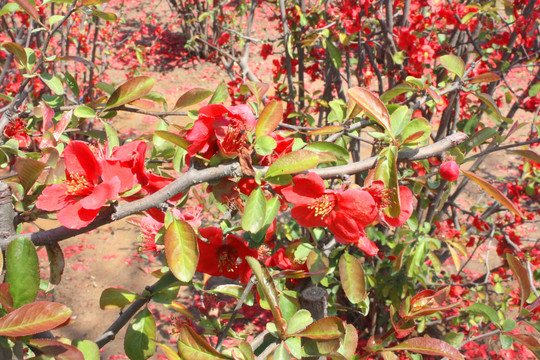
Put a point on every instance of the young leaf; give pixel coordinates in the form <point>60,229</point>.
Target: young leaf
<point>429,346</point>
<point>369,102</point>
<point>192,346</point>
<point>34,318</point>
<point>293,162</point>
<point>172,138</point>
<point>324,329</point>
<point>253,218</point>
<point>30,10</point>
<point>520,273</point>
<point>132,89</point>
<point>386,170</point>
<point>18,51</point>
<point>266,287</point>
<point>57,349</point>
<point>6,300</point>
<point>299,321</point>
<point>181,250</point>
<point>281,353</point>
<point>114,298</point>
<point>22,271</point>
<point>257,89</point>
<point>453,64</point>
<point>192,97</point>
<point>140,339</point>
<point>484,310</point>
<point>28,171</point>
<point>169,353</point>
<point>270,117</point>
<point>352,278</point>
<point>53,83</point>
<point>493,191</point>
<point>399,118</point>
<point>220,95</point>
<point>56,264</point>
<point>84,112</point>
<point>89,349</point>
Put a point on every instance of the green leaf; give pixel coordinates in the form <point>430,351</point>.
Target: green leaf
<point>57,349</point>
<point>527,154</point>
<point>112,137</point>
<point>281,353</point>
<point>399,118</point>
<point>34,318</point>
<point>53,83</point>
<point>56,264</point>
<point>484,310</point>
<point>267,288</point>
<point>386,170</point>
<point>181,250</point>
<point>89,349</point>
<point>324,329</point>
<point>292,163</point>
<point>299,321</point>
<point>509,325</point>
<point>335,55</point>
<point>479,138</point>
<point>129,91</point>
<point>454,339</point>
<point>220,95</point>
<point>192,97</point>
<point>114,298</point>
<point>140,339</point>
<point>110,17</point>
<point>28,171</point>
<point>253,218</point>
<point>257,89</point>
<point>415,132</point>
<point>22,271</point>
<point>493,191</point>
<point>488,100</point>
<point>29,9</point>
<point>521,274</point>
<point>19,53</point>
<point>193,347</point>
<point>454,64</point>
<point>428,346</point>
<point>322,146</point>
<point>172,138</point>
<point>506,341</point>
<point>352,278</point>
<point>270,117</point>
<point>272,208</point>
<point>396,91</point>
<point>265,145</point>
<point>169,353</point>
<point>84,112</point>
<point>370,103</point>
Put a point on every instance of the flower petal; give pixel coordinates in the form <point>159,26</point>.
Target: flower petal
<point>359,204</point>
<point>305,188</point>
<point>54,198</point>
<point>406,199</point>
<point>212,234</point>
<point>102,192</point>
<point>344,226</point>
<point>81,160</point>
<point>305,216</point>
<point>74,216</point>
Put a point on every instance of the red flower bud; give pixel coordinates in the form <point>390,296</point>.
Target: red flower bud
<point>449,170</point>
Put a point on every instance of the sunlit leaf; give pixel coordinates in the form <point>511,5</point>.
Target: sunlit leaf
<point>181,249</point>
<point>396,91</point>
<point>257,89</point>
<point>399,118</point>
<point>107,16</point>
<point>454,64</point>
<point>28,171</point>
<point>89,349</point>
<point>6,300</point>
<point>132,89</point>
<point>255,211</point>
<point>84,112</point>
<point>493,191</point>
<point>18,51</point>
<point>220,95</point>
<point>114,298</point>
<point>415,132</point>
<point>22,271</point>
<point>352,278</point>
<point>484,310</point>
<point>428,346</point>
<point>140,339</point>
<point>58,349</point>
<point>270,117</point>
<point>386,170</point>
<point>53,83</point>
<point>93,2</point>
<point>325,130</point>
<point>172,138</point>
<point>169,353</point>
<point>299,321</point>
<point>324,329</point>
<point>486,77</point>
<point>193,347</point>
<point>521,274</point>
<point>292,163</point>
<point>33,318</point>
<point>192,97</point>
<point>371,103</point>
<point>281,353</point>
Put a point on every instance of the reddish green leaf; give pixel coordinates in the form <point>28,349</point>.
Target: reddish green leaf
<point>192,97</point>
<point>266,287</point>
<point>493,191</point>
<point>29,9</point>
<point>317,264</point>
<point>324,329</point>
<point>530,341</point>
<point>62,124</point>
<point>292,163</point>
<point>521,275</point>
<point>220,95</point>
<point>257,89</point>
<point>254,214</point>
<point>6,300</point>
<point>371,103</point>
<point>350,341</point>
<point>56,264</point>
<point>181,250</point>
<point>140,339</point>
<point>107,16</point>
<point>22,271</point>
<point>93,2</point>
<point>281,353</point>
<point>453,64</point>
<point>270,117</point>
<point>246,350</point>
<point>89,349</point>
<point>299,321</point>
<point>415,132</point>
<point>386,171</point>
<point>169,353</point>
<point>485,78</point>
<point>326,130</point>
<point>429,346</point>
<point>132,89</point>
<point>193,347</point>
<point>28,171</point>
<point>488,100</point>
<point>352,278</point>
<point>172,138</point>
<point>114,298</point>
<point>34,318</point>
<point>18,51</point>
<point>528,154</point>
<point>58,349</point>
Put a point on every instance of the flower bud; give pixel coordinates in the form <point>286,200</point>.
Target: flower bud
<point>449,170</point>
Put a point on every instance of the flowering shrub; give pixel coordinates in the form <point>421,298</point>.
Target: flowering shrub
<point>350,255</point>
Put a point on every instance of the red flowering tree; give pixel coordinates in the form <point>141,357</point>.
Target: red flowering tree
<point>332,197</point>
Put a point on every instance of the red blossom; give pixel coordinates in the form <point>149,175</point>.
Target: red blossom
<point>16,129</point>
<point>449,170</point>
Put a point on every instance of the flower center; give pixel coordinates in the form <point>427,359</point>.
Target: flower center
<point>226,257</point>
<point>322,206</point>
<point>78,185</point>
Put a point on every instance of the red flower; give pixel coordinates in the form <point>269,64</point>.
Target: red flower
<point>17,130</point>
<point>220,128</point>
<point>380,194</point>
<point>344,213</point>
<point>449,170</point>
<point>83,193</point>
<point>224,258</point>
